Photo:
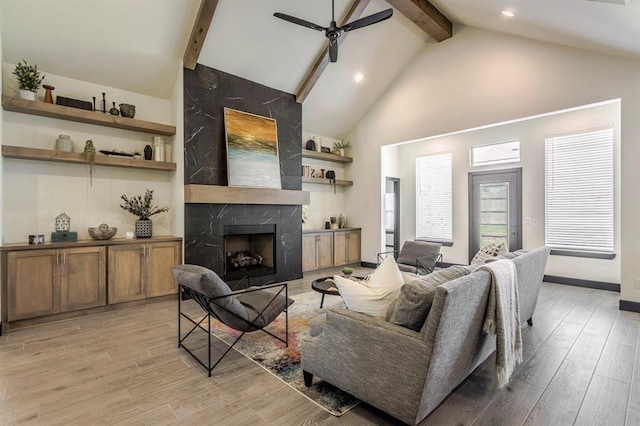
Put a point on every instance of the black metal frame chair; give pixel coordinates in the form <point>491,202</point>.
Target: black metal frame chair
<point>206,302</point>
<point>423,264</point>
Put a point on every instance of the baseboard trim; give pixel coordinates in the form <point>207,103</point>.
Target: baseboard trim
<point>598,285</point>
<point>627,305</point>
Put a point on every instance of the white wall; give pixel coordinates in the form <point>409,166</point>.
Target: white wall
<point>531,134</point>
<point>324,201</point>
<point>478,78</point>
<point>35,192</point>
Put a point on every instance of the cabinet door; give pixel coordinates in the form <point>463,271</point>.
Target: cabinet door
<point>324,247</point>
<point>160,257</point>
<point>126,279</point>
<point>353,254</point>
<point>309,254</point>
<point>82,278</point>
<point>340,252</point>
<point>33,284</point>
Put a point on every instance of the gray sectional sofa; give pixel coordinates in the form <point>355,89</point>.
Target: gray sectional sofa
<point>408,373</point>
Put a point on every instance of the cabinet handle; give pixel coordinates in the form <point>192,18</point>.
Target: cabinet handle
<point>57,257</point>
<point>64,257</point>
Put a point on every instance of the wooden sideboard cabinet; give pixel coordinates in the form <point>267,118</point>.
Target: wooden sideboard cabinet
<point>45,282</point>
<point>54,280</point>
<point>332,247</point>
<point>346,247</point>
<point>139,271</point>
<point>317,251</point>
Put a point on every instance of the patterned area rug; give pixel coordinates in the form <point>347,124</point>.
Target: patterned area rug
<point>284,362</point>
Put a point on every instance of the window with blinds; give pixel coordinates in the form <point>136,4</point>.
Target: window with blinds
<point>579,191</point>
<point>434,206</point>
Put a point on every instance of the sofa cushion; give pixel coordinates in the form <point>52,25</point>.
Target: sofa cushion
<point>416,297</point>
<point>375,296</point>
<point>488,252</point>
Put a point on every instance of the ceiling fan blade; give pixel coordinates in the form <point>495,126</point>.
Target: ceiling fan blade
<point>368,20</point>
<point>299,21</point>
<point>333,50</point>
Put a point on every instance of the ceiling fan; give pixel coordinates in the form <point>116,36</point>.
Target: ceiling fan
<point>333,32</point>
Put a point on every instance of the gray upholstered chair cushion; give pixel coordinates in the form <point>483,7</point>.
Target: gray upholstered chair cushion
<point>264,305</point>
<point>416,297</point>
<point>234,311</point>
<point>412,250</point>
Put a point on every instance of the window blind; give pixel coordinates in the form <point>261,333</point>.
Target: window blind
<point>579,191</point>
<point>434,206</point>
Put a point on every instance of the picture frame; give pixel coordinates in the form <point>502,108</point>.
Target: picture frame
<point>252,150</point>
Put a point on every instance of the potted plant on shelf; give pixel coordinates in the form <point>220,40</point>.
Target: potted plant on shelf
<point>141,207</point>
<point>341,145</point>
<point>29,79</point>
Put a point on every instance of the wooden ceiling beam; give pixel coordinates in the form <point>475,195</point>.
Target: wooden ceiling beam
<point>199,33</point>
<point>322,60</point>
<point>426,16</point>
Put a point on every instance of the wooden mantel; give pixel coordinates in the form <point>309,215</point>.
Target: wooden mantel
<point>215,194</point>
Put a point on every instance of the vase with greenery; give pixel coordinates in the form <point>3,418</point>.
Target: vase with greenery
<point>342,145</point>
<point>141,206</point>
<point>89,155</point>
<point>29,79</point>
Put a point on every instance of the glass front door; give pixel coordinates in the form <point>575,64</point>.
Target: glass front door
<point>495,209</point>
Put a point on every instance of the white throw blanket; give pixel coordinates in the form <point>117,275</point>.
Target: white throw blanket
<point>503,317</point>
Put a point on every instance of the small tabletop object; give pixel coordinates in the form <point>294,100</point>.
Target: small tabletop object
<point>48,96</point>
<point>63,222</point>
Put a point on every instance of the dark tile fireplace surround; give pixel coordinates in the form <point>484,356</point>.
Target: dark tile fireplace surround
<point>206,93</point>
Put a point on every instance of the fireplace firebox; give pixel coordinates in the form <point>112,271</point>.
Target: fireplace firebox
<point>249,251</point>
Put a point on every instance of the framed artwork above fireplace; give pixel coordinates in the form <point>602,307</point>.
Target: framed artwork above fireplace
<point>252,150</point>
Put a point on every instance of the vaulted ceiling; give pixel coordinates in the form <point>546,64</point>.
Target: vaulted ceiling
<point>138,45</point>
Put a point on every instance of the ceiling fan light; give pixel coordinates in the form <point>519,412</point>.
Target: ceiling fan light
<point>508,13</point>
<point>358,77</point>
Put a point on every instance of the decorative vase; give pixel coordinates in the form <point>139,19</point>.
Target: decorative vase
<point>144,228</point>
<point>64,143</point>
<point>28,95</point>
<point>127,110</point>
<point>63,222</point>
<point>148,152</point>
<point>48,96</point>
<point>114,110</point>
<point>342,152</point>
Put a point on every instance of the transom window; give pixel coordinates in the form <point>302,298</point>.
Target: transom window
<point>496,153</point>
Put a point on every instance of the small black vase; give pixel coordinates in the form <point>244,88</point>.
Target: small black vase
<point>148,152</point>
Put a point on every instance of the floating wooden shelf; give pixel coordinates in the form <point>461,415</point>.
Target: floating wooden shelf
<point>9,151</point>
<point>326,157</point>
<point>326,181</point>
<point>216,194</point>
<point>83,116</point>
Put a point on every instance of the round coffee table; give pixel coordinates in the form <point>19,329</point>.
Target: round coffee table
<point>321,285</point>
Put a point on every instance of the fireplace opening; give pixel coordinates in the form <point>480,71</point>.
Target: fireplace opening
<point>249,250</point>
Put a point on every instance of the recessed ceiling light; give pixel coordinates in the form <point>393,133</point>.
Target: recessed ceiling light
<point>508,13</point>
<point>358,77</point>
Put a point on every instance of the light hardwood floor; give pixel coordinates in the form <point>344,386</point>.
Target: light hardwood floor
<point>582,366</point>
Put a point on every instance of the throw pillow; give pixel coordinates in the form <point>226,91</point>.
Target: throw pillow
<point>375,296</point>
<point>487,252</point>
<point>416,297</point>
